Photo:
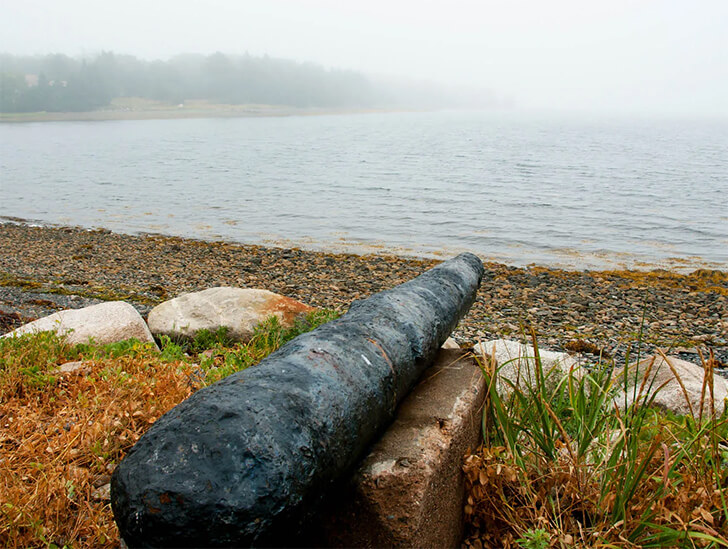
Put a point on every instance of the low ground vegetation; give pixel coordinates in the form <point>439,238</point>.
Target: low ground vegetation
<point>572,466</point>
<point>561,466</point>
<point>63,433</point>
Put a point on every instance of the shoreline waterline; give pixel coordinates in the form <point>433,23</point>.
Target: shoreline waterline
<point>177,113</point>
<point>573,260</point>
<point>570,195</point>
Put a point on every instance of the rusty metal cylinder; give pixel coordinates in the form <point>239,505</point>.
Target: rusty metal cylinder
<point>247,460</point>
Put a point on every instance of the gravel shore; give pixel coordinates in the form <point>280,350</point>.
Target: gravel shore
<point>45,269</point>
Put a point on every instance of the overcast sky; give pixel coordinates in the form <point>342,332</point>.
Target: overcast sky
<point>661,56</point>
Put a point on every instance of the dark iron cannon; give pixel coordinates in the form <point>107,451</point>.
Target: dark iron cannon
<point>247,460</point>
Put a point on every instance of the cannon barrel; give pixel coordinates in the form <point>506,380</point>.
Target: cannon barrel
<point>247,460</point>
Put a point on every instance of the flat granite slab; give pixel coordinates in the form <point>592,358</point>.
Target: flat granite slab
<point>409,490</point>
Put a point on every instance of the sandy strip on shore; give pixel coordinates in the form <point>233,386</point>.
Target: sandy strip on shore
<point>43,269</point>
<point>174,113</point>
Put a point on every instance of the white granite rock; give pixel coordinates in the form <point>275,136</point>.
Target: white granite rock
<point>671,396</point>
<point>239,309</point>
<point>75,366</point>
<point>450,343</point>
<point>516,363</point>
<point>104,323</point>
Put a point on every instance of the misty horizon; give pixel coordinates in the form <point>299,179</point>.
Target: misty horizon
<point>59,83</point>
<point>652,58</point>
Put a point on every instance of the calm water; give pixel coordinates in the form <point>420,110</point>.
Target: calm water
<point>584,194</point>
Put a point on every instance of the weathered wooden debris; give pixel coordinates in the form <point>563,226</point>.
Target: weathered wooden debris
<point>247,460</point>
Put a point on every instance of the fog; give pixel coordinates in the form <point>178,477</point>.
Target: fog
<point>649,57</point>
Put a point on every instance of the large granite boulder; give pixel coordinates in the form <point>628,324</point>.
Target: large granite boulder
<point>107,322</point>
<point>516,363</point>
<point>238,309</point>
<point>662,384</point>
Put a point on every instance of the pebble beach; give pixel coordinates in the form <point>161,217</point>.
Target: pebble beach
<point>595,313</point>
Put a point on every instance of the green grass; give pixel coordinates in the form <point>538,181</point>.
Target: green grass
<point>33,359</point>
<point>219,356</point>
<point>568,458</point>
<point>537,538</point>
<point>63,433</point>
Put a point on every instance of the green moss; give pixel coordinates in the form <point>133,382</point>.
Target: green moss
<point>103,293</point>
<point>6,279</point>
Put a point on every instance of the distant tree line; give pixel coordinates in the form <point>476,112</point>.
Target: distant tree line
<point>61,83</point>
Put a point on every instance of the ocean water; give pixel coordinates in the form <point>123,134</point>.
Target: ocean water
<point>569,192</point>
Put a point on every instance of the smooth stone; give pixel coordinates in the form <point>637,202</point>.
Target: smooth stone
<point>101,324</point>
<point>103,493</point>
<point>76,366</point>
<point>450,344</point>
<point>240,310</point>
<point>517,365</point>
<point>671,396</point>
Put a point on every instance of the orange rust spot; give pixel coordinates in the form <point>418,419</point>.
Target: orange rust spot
<point>286,309</point>
<point>384,354</point>
<point>164,498</point>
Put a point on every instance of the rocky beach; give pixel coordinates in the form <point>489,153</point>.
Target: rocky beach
<point>63,445</point>
<point>45,269</point>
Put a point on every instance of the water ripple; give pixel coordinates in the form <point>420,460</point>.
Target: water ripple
<point>522,190</point>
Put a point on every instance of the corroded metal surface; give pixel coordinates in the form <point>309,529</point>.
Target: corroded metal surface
<point>247,460</point>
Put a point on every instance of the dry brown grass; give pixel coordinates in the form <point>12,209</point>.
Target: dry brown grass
<point>581,346</point>
<point>504,502</point>
<point>63,435</point>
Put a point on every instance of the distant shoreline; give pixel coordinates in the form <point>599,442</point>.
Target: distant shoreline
<point>175,113</point>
